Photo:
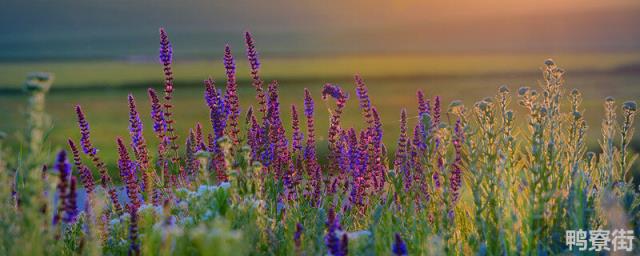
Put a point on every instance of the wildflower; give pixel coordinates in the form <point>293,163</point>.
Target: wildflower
<point>254,63</point>
<point>399,248</point>
<point>401,151</point>
<point>85,139</point>
<point>134,247</point>
<point>334,127</point>
<point>159,124</point>
<point>332,241</point>
<point>138,143</point>
<point>87,147</point>
<point>70,203</point>
<point>63,186</point>
<point>85,174</point>
<point>365,102</point>
<point>455,180</point>
<point>127,172</point>
<point>166,58</point>
<point>297,237</point>
<point>436,113</point>
<point>231,95</point>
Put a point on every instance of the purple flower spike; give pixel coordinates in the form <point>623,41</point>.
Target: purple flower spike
<point>134,247</point>
<point>138,143</point>
<point>64,170</point>
<point>436,112</point>
<point>400,163</point>
<point>332,240</point>
<point>231,95</point>
<point>254,63</point>
<point>85,132</point>
<point>70,203</point>
<point>85,174</point>
<point>363,97</point>
<point>297,136</point>
<point>455,180</point>
<point>297,238</point>
<point>128,174</point>
<point>166,58</point>
<point>157,115</point>
<point>399,248</point>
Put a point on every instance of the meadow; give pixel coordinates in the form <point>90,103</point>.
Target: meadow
<point>432,156</point>
<point>393,80</point>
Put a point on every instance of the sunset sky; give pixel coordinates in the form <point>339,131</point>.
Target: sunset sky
<point>324,26</point>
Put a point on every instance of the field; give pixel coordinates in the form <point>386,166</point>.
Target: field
<point>101,87</point>
<point>493,159</point>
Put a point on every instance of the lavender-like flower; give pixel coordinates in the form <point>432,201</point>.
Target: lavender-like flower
<point>334,128</point>
<point>166,58</point>
<point>70,203</point>
<point>296,137</point>
<point>157,115</point>
<point>138,143</point>
<point>128,174</point>
<point>85,142</point>
<point>311,162</point>
<point>64,171</point>
<point>297,238</point>
<point>400,163</point>
<point>399,248</point>
<point>134,247</point>
<point>231,95</point>
<point>85,174</point>
<point>436,113</point>
<point>455,180</point>
<point>254,63</point>
<point>331,239</point>
<point>85,132</point>
<point>365,102</point>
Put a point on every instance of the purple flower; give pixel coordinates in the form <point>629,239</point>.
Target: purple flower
<point>231,95</point>
<point>85,139</point>
<point>87,147</point>
<point>455,180</point>
<point>254,63</point>
<point>334,91</point>
<point>157,115</point>
<point>331,239</point>
<point>70,203</point>
<point>128,174</point>
<point>166,58</point>
<point>297,237</point>
<point>363,97</point>
<point>436,113</point>
<point>85,174</point>
<point>134,247</point>
<point>399,248</point>
<point>138,143</point>
<point>400,163</point>
<point>64,170</point>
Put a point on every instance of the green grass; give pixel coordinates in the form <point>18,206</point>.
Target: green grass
<point>83,74</point>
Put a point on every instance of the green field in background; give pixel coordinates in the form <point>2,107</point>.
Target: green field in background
<point>392,81</point>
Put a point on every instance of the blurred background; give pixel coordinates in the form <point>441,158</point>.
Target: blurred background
<point>102,50</point>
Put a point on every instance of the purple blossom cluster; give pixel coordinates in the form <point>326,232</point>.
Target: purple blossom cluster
<point>357,165</point>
